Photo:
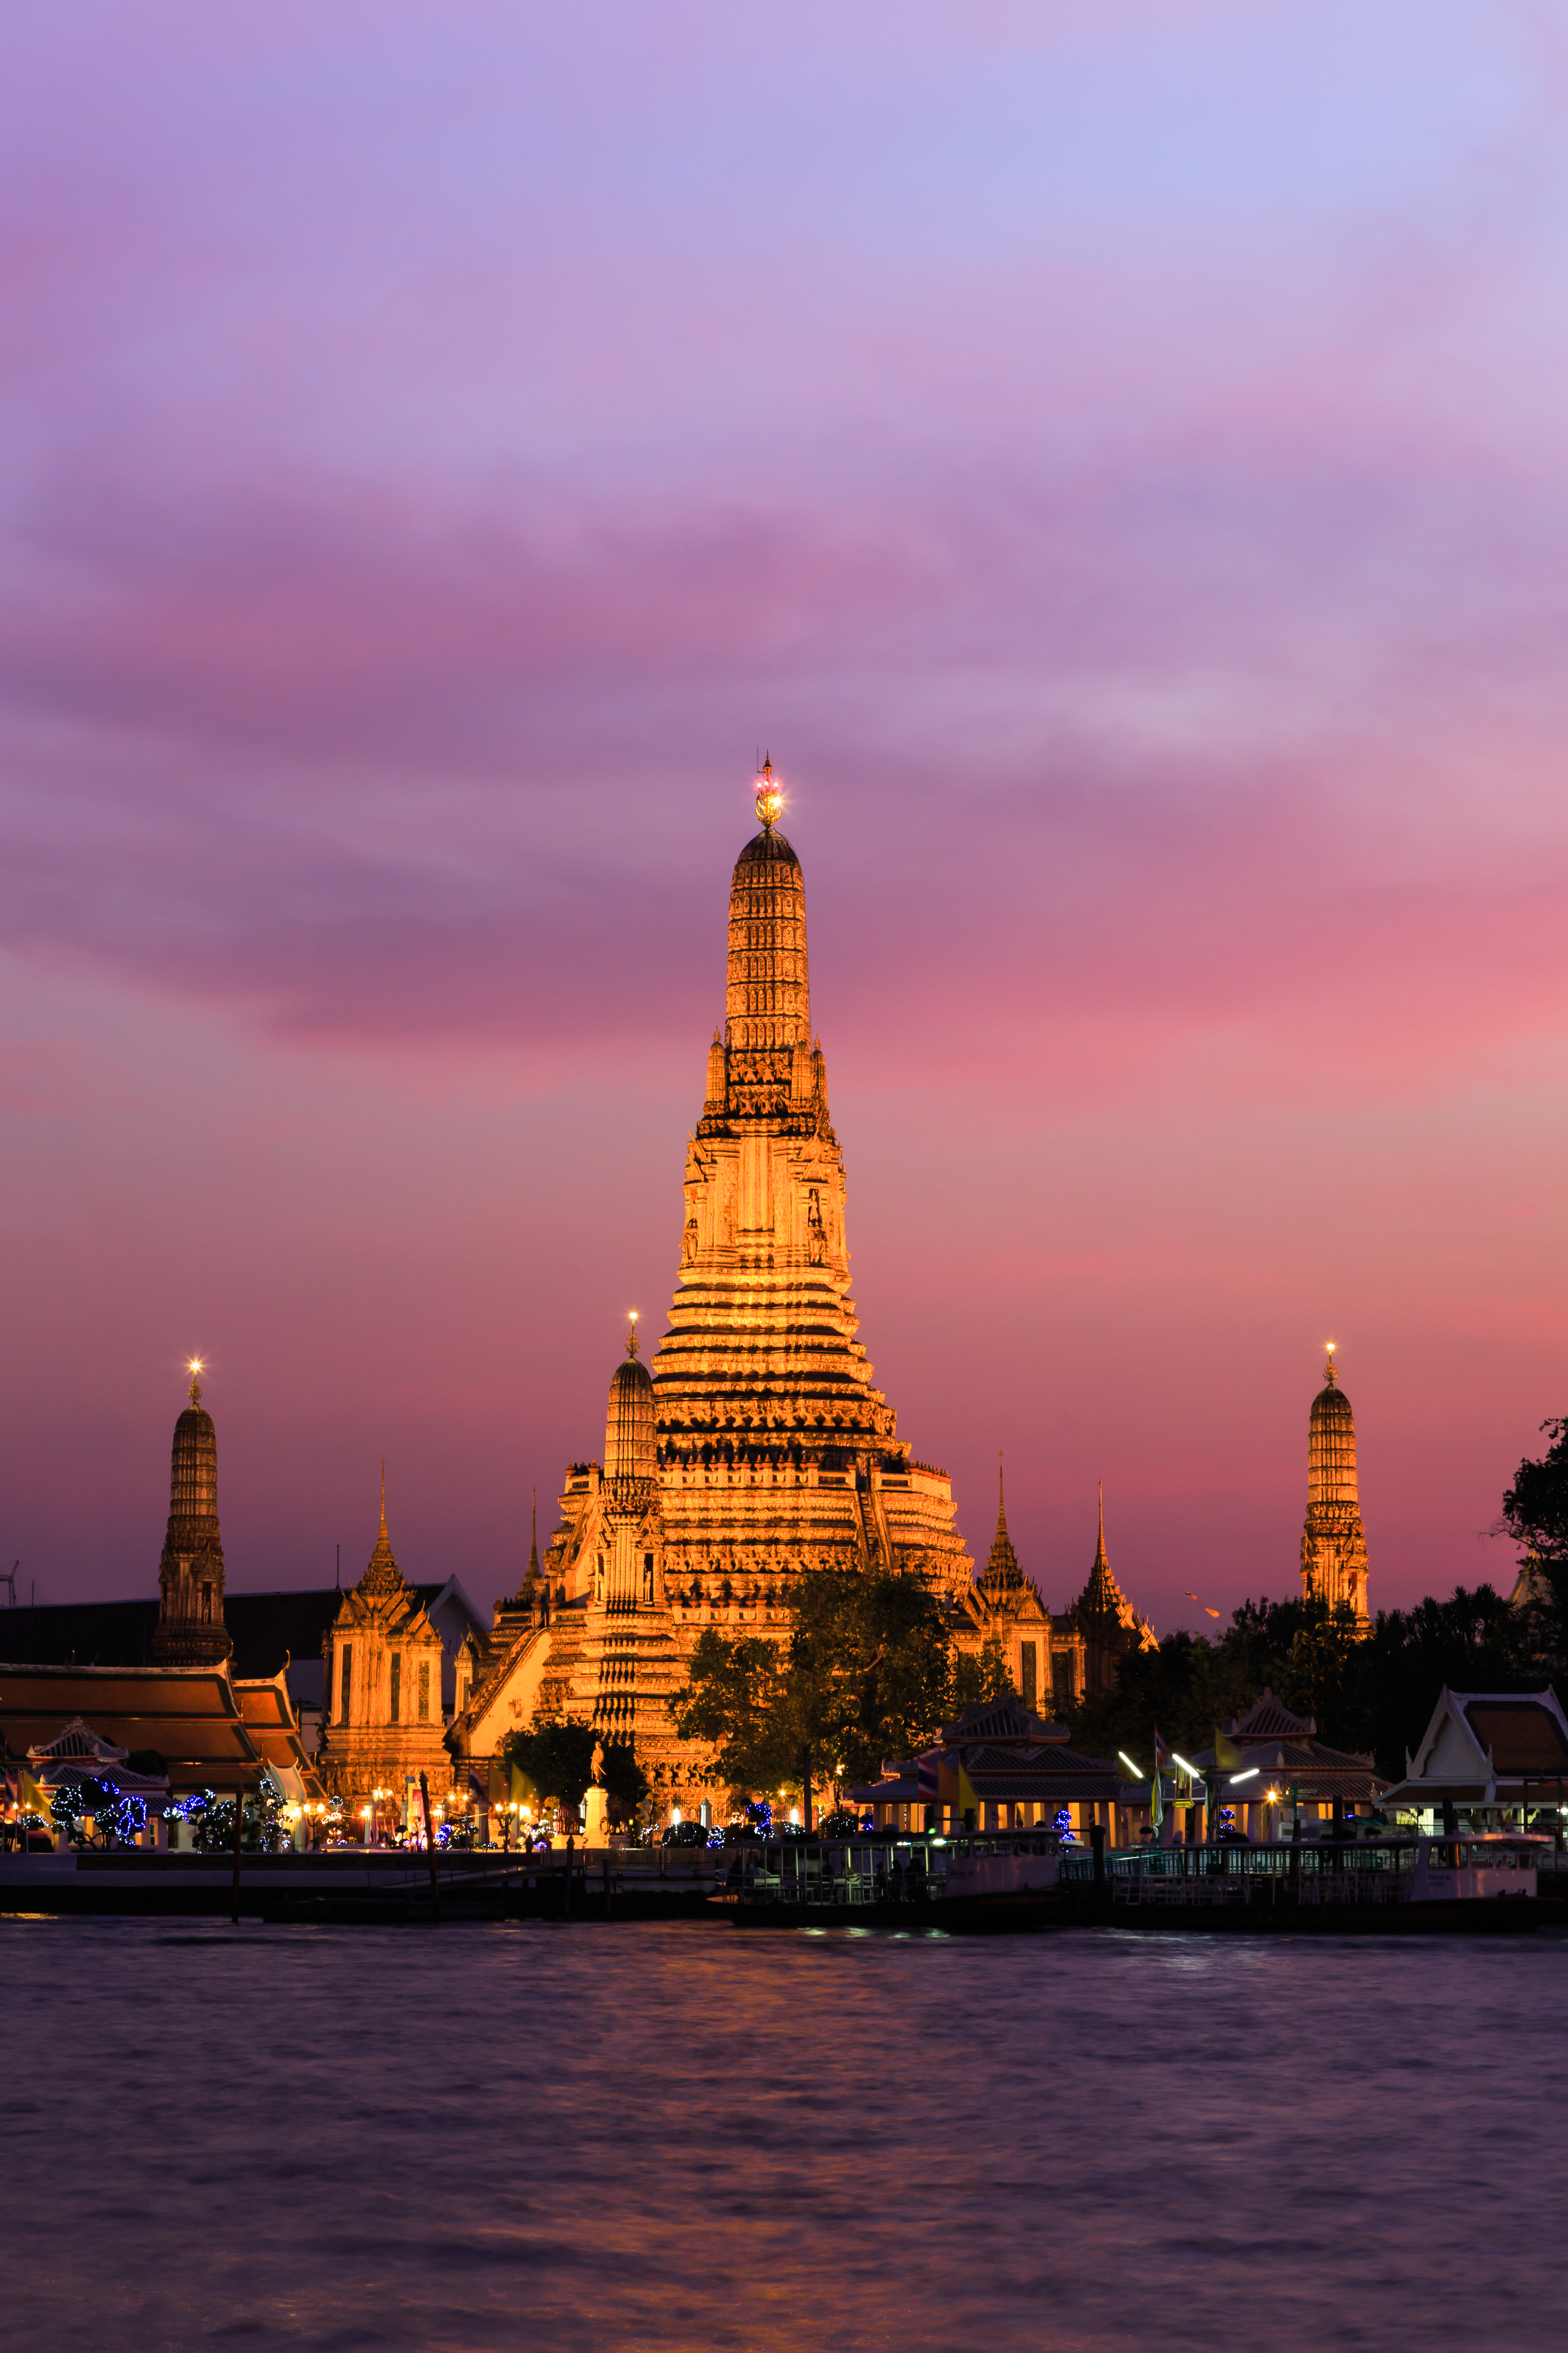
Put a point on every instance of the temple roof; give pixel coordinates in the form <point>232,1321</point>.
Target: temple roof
<point>382,1573</point>
<point>1102,1595</point>
<point>1269,1719</point>
<point>768,847</point>
<point>1001,1568</point>
<point>1000,1719</point>
<point>191,1715</point>
<point>80,1744</point>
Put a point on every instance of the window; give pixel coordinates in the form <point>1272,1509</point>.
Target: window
<point>648,1577</point>
<point>206,1604</point>
<point>1062,1677</point>
<point>424,1691</point>
<point>1026,1686</point>
<point>394,1685</point>
<point>345,1680</point>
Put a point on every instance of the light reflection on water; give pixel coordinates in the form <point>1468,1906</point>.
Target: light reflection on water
<point>691,2136</point>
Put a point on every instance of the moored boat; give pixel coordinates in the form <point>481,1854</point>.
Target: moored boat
<point>1472,1882</point>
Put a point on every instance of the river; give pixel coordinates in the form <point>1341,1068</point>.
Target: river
<point>545,2136</point>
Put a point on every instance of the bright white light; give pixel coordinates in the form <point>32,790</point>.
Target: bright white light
<point>1251,1774</point>
<point>1128,1762</point>
<point>1192,1770</point>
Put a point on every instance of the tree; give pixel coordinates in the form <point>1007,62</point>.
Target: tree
<point>1369,1693</point>
<point>555,1756</point>
<point>626,1783</point>
<point>985,1677</point>
<point>867,1673</point>
<point>1535,1514</point>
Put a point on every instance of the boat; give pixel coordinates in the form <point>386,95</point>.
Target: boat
<point>960,1883</point>
<point>1480,1881</point>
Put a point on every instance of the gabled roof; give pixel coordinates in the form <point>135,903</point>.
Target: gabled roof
<point>190,1716</point>
<point>267,1710</point>
<point>80,1744</point>
<point>1522,1735</point>
<point>1044,1776</point>
<point>999,1719</point>
<point>1478,1741</point>
<point>1269,1719</point>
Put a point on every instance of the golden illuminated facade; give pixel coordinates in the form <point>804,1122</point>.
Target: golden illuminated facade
<point>756,1444</point>
<point>1333,1541</point>
<point>1045,1655</point>
<point>775,1449</point>
<point>381,1717</point>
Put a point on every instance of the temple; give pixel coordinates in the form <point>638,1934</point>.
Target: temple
<point>383,1721</point>
<point>1334,1542</point>
<point>1001,1613</point>
<point>775,1449</point>
<point>755,1444</point>
<point>1106,1619</point>
<point>191,1631</point>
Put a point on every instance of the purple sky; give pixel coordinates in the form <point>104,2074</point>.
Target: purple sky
<point>1115,461</point>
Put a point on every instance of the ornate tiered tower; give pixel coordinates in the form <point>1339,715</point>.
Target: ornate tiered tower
<point>775,1450</point>
<point>760,1446</point>
<point>1108,1621</point>
<point>382,1720</point>
<point>1333,1541</point>
<point>1001,1575</point>
<point>191,1631</point>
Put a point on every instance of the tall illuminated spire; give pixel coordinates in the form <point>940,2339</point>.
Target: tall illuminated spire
<point>1333,1540</point>
<point>774,1441</point>
<point>382,1573</point>
<point>191,1631</point>
<point>770,795</point>
<point>1001,1568</point>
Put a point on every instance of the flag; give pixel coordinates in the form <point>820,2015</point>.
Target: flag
<point>1228,1753</point>
<point>956,1787</point>
<point>1156,1793</point>
<point>1161,1753</point>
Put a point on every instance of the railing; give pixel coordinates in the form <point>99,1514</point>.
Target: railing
<point>1331,1871</point>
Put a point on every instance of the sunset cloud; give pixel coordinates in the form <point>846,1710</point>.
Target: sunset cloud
<point>1117,468</point>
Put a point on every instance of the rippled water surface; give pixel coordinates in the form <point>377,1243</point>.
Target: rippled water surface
<point>548,2137</point>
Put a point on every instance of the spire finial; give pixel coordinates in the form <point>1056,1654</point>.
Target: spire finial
<point>1100,1549</point>
<point>1001,1492</point>
<point>770,797</point>
<point>195,1369</point>
<point>384,1499</point>
<point>1329,1363</point>
<point>632,1335</point>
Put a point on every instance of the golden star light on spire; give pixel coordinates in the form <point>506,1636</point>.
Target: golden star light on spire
<point>770,795</point>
